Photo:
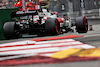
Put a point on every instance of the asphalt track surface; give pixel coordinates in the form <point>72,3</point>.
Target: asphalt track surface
<point>91,38</point>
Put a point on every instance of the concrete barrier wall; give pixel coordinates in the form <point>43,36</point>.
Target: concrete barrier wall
<point>5,17</point>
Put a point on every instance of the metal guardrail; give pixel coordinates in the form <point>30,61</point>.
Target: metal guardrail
<point>94,13</point>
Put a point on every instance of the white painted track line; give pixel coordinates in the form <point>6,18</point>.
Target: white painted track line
<point>44,48</point>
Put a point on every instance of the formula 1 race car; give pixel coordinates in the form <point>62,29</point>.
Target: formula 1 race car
<point>36,22</point>
<point>66,22</point>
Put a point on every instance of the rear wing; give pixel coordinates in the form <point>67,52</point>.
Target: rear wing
<point>21,13</point>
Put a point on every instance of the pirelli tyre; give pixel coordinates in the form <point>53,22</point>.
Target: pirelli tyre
<point>11,30</point>
<point>52,26</point>
<point>81,25</point>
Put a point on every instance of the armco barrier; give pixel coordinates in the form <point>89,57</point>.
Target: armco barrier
<point>5,17</point>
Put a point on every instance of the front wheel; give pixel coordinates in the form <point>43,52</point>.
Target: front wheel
<point>81,25</point>
<point>52,26</point>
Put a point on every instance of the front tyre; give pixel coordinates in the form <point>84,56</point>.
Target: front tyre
<point>81,25</point>
<point>52,26</point>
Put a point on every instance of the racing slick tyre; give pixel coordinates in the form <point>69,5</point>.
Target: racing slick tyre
<point>52,26</point>
<point>81,25</point>
<point>11,30</point>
